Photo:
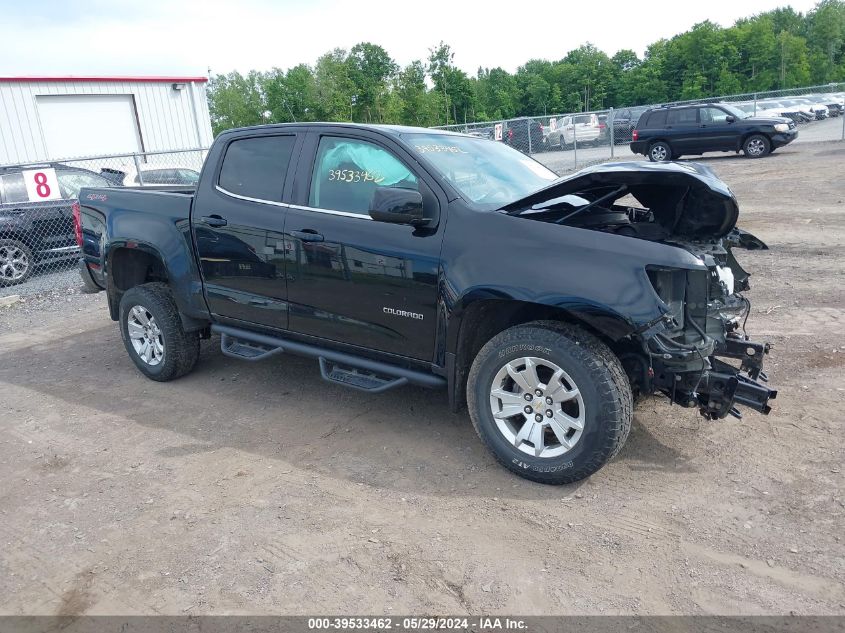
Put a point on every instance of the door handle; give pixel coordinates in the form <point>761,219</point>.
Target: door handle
<point>213,220</point>
<point>307,235</point>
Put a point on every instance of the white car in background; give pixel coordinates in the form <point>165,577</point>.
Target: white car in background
<point>780,108</point>
<point>815,110</point>
<point>127,175</point>
<point>585,128</point>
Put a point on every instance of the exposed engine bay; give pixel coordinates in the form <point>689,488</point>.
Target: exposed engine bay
<point>698,353</point>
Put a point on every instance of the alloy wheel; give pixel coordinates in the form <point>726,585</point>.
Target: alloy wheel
<point>14,263</point>
<point>537,407</point>
<point>755,147</point>
<point>145,335</point>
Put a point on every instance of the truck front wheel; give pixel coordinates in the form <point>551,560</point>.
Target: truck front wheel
<point>550,400</point>
<point>153,335</point>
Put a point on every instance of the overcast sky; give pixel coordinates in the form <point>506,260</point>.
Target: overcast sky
<point>149,37</point>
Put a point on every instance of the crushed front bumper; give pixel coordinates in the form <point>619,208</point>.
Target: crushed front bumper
<point>713,385</point>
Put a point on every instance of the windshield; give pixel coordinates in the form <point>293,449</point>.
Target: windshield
<point>488,173</point>
<point>739,114</point>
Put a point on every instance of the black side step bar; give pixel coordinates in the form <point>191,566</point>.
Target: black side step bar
<point>338,367</point>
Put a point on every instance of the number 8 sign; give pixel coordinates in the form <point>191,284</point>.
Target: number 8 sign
<point>41,184</point>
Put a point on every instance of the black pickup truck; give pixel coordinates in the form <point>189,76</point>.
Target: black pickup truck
<point>399,255</point>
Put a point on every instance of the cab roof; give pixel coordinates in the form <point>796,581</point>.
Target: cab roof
<point>395,130</point>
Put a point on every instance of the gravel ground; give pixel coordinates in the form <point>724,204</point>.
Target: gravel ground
<point>258,488</point>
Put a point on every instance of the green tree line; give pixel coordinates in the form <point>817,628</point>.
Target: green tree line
<point>774,50</point>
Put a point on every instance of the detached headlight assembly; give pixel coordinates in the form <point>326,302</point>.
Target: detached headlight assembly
<point>781,127</point>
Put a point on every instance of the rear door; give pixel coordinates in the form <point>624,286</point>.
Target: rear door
<point>351,279</point>
<point>238,226</point>
<point>683,130</point>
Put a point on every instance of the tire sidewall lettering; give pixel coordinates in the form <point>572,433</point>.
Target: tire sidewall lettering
<point>524,347</point>
<point>542,468</point>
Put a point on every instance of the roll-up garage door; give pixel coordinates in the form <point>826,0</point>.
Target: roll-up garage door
<point>88,125</point>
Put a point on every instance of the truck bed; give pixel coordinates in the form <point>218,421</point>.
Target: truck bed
<point>153,220</point>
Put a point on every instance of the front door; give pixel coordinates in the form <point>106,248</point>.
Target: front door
<point>716,133</point>
<point>238,229</point>
<point>352,279</point>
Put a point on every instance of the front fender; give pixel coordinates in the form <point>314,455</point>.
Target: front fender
<point>599,278</point>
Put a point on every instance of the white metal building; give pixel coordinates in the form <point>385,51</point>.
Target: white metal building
<point>52,118</point>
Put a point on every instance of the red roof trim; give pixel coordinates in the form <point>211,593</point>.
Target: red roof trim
<point>72,78</point>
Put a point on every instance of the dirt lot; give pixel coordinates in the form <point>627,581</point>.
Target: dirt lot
<point>258,488</point>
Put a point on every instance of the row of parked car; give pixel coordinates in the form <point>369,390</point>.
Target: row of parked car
<point>532,136</point>
<point>39,233</point>
<point>799,109</point>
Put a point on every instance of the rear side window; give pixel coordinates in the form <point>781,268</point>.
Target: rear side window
<point>256,167</point>
<point>654,119</point>
<point>683,116</point>
<point>14,189</point>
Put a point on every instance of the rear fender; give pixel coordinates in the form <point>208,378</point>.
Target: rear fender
<point>131,263</point>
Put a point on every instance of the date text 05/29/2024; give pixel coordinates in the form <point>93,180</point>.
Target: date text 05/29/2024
<point>417,623</point>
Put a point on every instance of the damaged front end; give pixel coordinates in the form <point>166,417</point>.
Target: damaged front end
<point>699,354</point>
<point>694,349</point>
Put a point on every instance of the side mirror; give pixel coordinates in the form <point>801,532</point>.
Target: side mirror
<point>730,118</point>
<point>398,206</point>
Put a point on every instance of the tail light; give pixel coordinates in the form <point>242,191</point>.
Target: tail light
<point>510,134</point>
<point>77,223</point>
<point>635,135</point>
<point>602,125</point>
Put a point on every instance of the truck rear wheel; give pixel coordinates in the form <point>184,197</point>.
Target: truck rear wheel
<point>550,401</point>
<point>153,335</point>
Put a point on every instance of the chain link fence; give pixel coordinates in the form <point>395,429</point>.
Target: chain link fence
<point>38,249</point>
<point>38,246</point>
<point>570,141</point>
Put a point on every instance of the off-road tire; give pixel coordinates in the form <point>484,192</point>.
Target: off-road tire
<point>599,376</point>
<point>12,280</point>
<point>181,348</point>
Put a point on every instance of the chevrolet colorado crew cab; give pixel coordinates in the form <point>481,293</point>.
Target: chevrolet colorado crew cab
<point>397,255</point>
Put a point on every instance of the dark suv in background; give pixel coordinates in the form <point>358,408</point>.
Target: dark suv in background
<point>38,232</point>
<point>669,132</point>
<point>517,133</point>
<point>624,122</point>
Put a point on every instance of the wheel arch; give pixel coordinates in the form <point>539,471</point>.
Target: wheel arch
<point>21,235</point>
<point>133,264</point>
<point>751,133</point>
<point>482,319</point>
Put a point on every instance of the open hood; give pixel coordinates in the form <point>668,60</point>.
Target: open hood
<point>686,199</point>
